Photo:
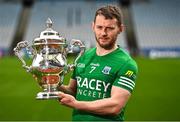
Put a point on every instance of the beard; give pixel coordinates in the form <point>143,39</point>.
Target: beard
<point>108,45</point>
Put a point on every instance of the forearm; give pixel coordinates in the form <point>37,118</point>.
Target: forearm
<point>107,106</point>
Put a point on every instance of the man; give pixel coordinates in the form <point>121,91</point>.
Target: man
<point>104,77</point>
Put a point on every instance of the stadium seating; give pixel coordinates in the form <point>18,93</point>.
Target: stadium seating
<point>156,22</point>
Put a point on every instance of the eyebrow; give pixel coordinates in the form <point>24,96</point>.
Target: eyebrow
<point>111,26</point>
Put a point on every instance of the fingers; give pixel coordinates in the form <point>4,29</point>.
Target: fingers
<point>67,100</point>
<point>64,98</point>
<point>61,97</point>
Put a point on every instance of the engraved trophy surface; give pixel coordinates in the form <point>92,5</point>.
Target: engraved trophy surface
<point>49,59</point>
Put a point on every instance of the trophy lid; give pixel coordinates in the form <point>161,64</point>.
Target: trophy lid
<point>49,23</point>
<point>49,34</point>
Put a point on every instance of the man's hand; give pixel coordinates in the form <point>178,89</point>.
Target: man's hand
<point>67,100</point>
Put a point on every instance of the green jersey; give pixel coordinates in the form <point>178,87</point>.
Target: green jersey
<point>95,76</point>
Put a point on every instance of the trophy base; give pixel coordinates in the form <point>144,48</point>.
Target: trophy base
<point>47,95</point>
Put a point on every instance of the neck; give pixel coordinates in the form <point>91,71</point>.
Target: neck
<point>101,51</point>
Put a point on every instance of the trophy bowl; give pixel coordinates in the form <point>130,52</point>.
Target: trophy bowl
<point>49,60</point>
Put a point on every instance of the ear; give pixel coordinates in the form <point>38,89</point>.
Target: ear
<point>92,26</point>
<point>121,28</point>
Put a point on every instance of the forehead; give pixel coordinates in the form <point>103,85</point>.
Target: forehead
<point>102,21</point>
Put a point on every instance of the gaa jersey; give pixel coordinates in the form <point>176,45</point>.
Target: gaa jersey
<point>95,75</point>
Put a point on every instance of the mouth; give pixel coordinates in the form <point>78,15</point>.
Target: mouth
<point>103,39</point>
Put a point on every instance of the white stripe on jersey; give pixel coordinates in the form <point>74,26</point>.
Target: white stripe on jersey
<point>124,81</point>
<point>127,79</point>
<point>126,85</point>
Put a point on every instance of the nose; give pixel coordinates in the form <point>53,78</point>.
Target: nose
<point>104,32</point>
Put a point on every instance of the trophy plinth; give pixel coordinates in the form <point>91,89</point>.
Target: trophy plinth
<point>49,59</point>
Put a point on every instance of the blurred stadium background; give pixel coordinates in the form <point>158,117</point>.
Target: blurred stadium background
<point>152,36</point>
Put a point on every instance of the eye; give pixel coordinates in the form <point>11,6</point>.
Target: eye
<point>99,27</point>
<point>110,28</point>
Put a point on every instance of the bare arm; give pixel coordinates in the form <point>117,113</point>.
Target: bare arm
<point>106,106</point>
<point>70,88</point>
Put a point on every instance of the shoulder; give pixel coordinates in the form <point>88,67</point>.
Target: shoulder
<point>126,56</point>
<point>87,55</point>
<point>89,52</point>
<point>122,57</point>
<point>127,72</point>
<point>126,60</point>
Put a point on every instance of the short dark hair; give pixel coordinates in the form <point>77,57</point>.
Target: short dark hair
<point>110,12</point>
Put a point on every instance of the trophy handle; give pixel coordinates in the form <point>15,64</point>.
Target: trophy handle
<point>17,49</point>
<point>76,46</point>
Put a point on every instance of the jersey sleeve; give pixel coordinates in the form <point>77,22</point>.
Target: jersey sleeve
<point>126,76</point>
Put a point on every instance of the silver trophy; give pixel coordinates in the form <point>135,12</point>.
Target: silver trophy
<point>49,59</point>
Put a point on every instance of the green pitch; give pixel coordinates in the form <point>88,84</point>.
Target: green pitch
<point>156,96</point>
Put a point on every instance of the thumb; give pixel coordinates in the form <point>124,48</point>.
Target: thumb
<point>61,95</point>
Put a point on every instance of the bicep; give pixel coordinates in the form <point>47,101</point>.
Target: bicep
<point>120,96</point>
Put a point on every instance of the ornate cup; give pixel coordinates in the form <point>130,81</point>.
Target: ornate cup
<point>49,59</point>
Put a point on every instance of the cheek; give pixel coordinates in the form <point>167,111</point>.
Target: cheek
<point>97,33</point>
<point>114,34</point>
